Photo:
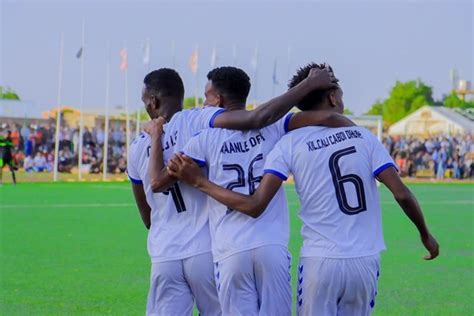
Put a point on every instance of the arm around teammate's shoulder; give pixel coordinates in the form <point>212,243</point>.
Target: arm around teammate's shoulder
<point>274,109</point>
<point>185,169</point>
<point>412,209</point>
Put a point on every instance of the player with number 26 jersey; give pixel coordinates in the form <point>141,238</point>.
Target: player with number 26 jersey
<point>251,257</point>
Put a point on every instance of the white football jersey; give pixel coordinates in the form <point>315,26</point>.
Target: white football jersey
<point>179,220</point>
<point>137,169</point>
<point>184,221</point>
<point>334,171</point>
<point>235,160</point>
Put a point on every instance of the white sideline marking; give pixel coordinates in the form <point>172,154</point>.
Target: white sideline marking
<point>444,202</point>
<point>66,205</point>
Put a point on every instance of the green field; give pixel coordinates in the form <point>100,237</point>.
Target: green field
<point>80,248</point>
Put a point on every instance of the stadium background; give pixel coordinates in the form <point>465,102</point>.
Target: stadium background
<point>77,246</point>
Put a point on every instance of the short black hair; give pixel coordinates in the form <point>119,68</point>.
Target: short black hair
<point>165,82</point>
<point>232,82</point>
<point>314,98</point>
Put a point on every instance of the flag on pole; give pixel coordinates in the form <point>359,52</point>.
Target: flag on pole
<point>274,76</point>
<point>79,53</point>
<point>123,59</point>
<point>146,52</point>
<point>193,61</point>
<point>214,57</point>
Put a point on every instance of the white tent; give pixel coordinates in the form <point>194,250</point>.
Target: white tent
<point>433,120</point>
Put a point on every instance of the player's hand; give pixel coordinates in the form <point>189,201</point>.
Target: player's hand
<point>322,79</point>
<point>185,169</point>
<point>155,127</point>
<point>431,245</point>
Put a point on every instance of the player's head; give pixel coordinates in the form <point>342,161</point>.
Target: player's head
<point>318,99</point>
<point>163,92</point>
<point>227,85</point>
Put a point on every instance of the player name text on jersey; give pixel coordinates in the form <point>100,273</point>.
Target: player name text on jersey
<point>333,139</point>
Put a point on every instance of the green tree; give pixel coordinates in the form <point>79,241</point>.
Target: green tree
<point>376,109</point>
<point>454,101</point>
<point>8,94</point>
<point>348,112</point>
<point>190,102</point>
<point>404,98</point>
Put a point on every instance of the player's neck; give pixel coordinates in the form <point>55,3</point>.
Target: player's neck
<point>234,105</point>
<point>169,110</point>
<point>322,107</point>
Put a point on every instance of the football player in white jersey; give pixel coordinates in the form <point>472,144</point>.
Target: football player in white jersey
<point>179,241</point>
<point>334,171</point>
<point>251,258</point>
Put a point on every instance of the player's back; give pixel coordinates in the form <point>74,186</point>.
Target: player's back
<point>334,170</point>
<point>182,217</point>
<point>235,160</point>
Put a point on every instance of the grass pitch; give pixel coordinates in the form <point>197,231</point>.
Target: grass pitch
<point>80,249</point>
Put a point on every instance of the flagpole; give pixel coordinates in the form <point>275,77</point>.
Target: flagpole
<point>214,57</point>
<point>196,100</point>
<point>81,119</point>
<point>127,126</point>
<point>146,63</point>
<point>173,53</point>
<point>137,132</point>
<point>234,54</point>
<point>58,112</point>
<point>288,63</point>
<point>107,100</point>
<point>256,77</point>
<point>274,78</point>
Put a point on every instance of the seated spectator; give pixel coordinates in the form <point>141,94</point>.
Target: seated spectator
<point>65,160</point>
<point>39,162</point>
<point>122,164</point>
<point>28,164</point>
<point>49,161</point>
<point>18,156</point>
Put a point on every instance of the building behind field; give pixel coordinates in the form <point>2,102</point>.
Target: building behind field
<point>434,120</point>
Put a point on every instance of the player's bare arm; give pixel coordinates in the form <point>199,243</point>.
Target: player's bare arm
<point>412,209</point>
<point>185,169</point>
<point>142,204</point>
<point>271,111</point>
<point>319,117</point>
<point>160,180</point>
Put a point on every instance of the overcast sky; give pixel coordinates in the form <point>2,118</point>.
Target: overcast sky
<point>370,44</point>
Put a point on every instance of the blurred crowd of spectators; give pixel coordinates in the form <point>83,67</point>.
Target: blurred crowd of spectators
<point>33,148</point>
<point>436,157</point>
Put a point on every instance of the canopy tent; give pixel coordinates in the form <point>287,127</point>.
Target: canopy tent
<point>433,120</point>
